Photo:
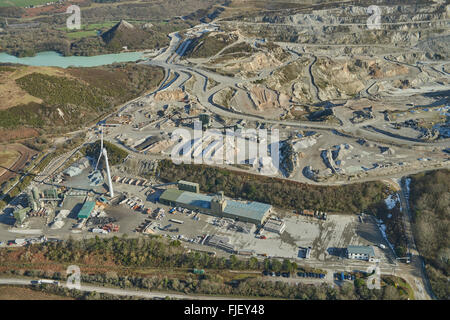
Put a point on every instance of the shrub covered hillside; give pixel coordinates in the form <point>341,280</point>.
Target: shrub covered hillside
<point>115,154</point>
<point>287,194</point>
<point>70,98</point>
<point>430,203</point>
<point>208,45</point>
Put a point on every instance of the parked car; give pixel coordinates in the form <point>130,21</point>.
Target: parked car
<point>278,274</point>
<point>265,273</point>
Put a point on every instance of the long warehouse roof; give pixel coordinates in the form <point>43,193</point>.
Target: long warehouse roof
<point>195,199</point>
<point>86,210</point>
<point>171,195</point>
<point>361,250</point>
<point>253,210</point>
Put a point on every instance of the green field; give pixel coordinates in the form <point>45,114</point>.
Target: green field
<point>81,34</point>
<point>91,26</point>
<point>87,30</point>
<point>90,30</point>
<point>21,3</point>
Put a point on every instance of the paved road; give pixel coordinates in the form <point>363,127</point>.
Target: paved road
<point>416,260</point>
<point>168,61</point>
<point>312,84</point>
<point>321,25</point>
<point>126,292</point>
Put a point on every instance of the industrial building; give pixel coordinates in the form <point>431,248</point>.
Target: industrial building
<point>76,168</point>
<point>252,212</point>
<point>33,198</point>
<point>221,243</point>
<point>275,226</point>
<point>361,253</point>
<point>86,210</point>
<point>150,141</point>
<point>308,253</point>
<point>95,178</point>
<point>51,194</point>
<point>20,214</point>
<point>189,186</point>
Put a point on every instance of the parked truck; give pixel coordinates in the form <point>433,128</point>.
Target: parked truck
<point>45,281</point>
<point>198,271</point>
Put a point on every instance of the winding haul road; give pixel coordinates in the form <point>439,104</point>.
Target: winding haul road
<point>176,76</point>
<point>169,61</point>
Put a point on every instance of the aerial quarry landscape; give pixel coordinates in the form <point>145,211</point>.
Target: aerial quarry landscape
<point>255,150</point>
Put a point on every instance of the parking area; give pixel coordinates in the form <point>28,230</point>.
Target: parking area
<point>137,212</point>
<point>304,239</point>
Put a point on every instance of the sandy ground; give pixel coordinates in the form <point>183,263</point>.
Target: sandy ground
<point>8,156</point>
<point>18,293</point>
<point>25,155</point>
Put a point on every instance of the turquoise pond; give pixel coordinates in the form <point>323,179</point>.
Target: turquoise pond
<point>54,59</point>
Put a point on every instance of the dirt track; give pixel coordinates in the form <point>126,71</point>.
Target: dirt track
<point>25,156</point>
<point>9,135</point>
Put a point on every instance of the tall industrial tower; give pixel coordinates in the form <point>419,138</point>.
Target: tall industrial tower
<point>105,154</point>
<point>111,191</point>
<point>101,148</point>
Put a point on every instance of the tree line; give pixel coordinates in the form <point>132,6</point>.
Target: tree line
<point>430,203</point>
<point>287,194</point>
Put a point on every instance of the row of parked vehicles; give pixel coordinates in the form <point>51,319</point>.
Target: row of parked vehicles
<point>311,275</point>
<point>277,274</point>
<point>344,276</point>
<point>299,274</point>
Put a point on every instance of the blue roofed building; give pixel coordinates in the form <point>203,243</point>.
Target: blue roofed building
<point>255,212</point>
<point>361,253</point>
<point>197,200</point>
<point>217,205</point>
<point>86,210</point>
